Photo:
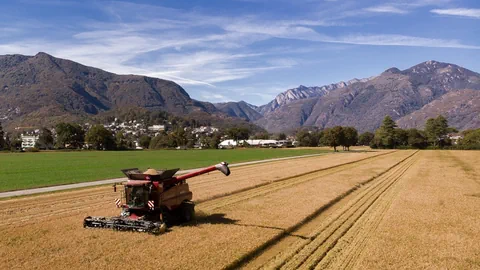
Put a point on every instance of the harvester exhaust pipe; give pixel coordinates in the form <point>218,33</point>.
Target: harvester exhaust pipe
<point>223,167</point>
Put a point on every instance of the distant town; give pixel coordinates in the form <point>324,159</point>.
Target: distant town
<point>123,135</point>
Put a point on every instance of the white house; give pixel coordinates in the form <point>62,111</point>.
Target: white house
<point>204,129</point>
<point>156,128</point>
<point>28,141</point>
<point>455,137</point>
<point>227,144</point>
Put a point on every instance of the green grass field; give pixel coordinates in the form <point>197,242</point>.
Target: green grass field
<point>29,170</point>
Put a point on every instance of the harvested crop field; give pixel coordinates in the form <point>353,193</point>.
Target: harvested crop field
<point>370,210</point>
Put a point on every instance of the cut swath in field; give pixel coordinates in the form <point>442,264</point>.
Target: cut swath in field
<point>323,236</point>
<point>281,184</point>
<point>433,222</point>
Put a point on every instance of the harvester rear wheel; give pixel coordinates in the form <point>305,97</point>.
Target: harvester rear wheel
<point>188,211</point>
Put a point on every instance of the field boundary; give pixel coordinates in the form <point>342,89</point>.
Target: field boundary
<point>48,189</point>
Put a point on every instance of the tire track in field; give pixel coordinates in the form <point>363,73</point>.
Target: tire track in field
<point>318,251</point>
<point>81,202</point>
<point>270,187</point>
<point>376,186</point>
<point>346,252</point>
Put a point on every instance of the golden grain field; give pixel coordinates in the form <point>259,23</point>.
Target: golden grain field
<point>370,210</point>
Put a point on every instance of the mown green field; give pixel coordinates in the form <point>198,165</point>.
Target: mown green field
<point>29,170</point>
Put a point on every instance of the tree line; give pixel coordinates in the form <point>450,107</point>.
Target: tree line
<point>333,137</point>
<point>389,136</point>
<point>97,137</point>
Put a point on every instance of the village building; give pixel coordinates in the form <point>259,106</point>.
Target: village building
<point>29,141</point>
<point>455,137</point>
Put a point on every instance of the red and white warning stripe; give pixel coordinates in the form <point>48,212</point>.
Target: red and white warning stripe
<point>151,204</point>
<point>117,202</point>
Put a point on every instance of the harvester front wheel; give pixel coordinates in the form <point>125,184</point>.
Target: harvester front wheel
<point>188,211</point>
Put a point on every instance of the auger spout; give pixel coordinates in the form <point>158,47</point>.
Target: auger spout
<point>222,166</point>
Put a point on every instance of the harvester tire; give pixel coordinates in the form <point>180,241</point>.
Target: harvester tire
<point>188,211</point>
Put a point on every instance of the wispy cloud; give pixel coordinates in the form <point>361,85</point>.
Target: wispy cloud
<point>461,12</point>
<point>387,9</point>
<point>400,40</point>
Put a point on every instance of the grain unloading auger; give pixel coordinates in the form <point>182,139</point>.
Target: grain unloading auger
<point>152,199</point>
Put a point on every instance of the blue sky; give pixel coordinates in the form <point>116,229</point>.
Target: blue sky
<point>248,50</point>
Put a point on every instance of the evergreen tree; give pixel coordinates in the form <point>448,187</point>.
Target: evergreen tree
<point>385,135</point>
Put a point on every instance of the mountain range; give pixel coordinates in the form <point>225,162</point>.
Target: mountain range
<point>42,90</point>
<point>410,96</point>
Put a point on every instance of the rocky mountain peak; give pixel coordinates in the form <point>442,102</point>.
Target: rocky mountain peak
<point>393,70</point>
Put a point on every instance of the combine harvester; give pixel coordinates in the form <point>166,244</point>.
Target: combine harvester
<point>152,199</point>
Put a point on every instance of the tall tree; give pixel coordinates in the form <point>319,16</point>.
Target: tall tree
<point>214,140</point>
<point>8,143</point>
<point>333,137</point>
<point>401,137</point>
<point>385,135</point>
<point>2,139</point>
<point>71,135</point>
<point>282,136</point>
<point>45,139</point>
<point>180,136</point>
<point>100,138</point>
<point>471,140</point>
<point>436,129</point>
<point>163,140</point>
<point>308,138</point>
<point>350,137</point>
<point>144,141</point>
<point>365,138</point>
<point>238,133</point>
<point>121,141</point>
<point>416,138</point>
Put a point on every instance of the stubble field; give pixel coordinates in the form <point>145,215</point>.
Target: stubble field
<point>370,210</point>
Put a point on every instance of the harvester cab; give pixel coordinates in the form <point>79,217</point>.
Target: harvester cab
<point>152,199</point>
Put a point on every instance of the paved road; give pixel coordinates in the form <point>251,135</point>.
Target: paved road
<point>119,180</point>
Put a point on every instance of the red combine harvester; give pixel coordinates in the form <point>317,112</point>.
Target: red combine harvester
<point>152,199</point>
